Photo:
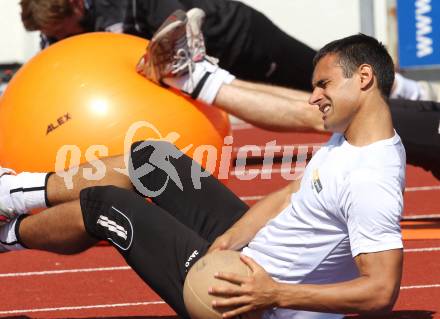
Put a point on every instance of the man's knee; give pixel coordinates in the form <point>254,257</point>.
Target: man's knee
<point>141,151</point>
<point>107,214</point>
<point>150,164</point>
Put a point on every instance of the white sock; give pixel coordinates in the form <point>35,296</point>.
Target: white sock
<point>27,191</point>
<point>203,83</point>
<point>9,238</point>
<point>405,88</point>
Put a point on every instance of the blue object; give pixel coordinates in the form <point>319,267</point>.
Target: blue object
<point>419,33</point>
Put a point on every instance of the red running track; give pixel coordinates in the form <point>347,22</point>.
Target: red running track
<point>98,283</point>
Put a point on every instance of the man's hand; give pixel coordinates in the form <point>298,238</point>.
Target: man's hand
<point>242,232</point>
<point>232,239</point>
<point>222,242</point>
<point>255,292</point>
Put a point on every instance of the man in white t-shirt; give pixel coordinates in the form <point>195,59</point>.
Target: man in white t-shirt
<point>337,246</point>
<point>327,244</point>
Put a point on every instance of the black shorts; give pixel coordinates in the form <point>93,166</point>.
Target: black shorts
<point>160,239</point>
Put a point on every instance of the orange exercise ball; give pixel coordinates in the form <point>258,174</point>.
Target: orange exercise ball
<point>83,93</point>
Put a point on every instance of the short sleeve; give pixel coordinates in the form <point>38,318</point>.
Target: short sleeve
<point>372,207</point>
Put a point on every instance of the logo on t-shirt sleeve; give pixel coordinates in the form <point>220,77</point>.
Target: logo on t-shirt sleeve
<point>316,182</point>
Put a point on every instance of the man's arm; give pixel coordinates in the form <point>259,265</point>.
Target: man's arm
<point>269,107</point>
<point>372,217</point>
<point>374,291</point>
<point>241,233</point>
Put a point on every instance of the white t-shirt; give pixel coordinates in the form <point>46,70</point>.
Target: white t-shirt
<point>350,202</point>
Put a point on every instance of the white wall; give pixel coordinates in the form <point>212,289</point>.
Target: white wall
<point>315,22</point>
<point>17,45</point>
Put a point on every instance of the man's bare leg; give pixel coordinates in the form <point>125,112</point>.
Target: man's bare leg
<point>269,107</point>
<point>262,105</point>
<point>274,90</point>
<point>58,192</point>
<point>26,191</point>
<point>59,229</point>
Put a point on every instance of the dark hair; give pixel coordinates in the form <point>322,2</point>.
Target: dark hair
<point>355,50</point>
<point>40,14</point>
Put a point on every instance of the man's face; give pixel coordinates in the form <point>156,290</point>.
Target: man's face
<point>70,26</point>
<point>336,96</point>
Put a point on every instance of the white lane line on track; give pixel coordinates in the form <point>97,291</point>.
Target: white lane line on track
<point>422,216</point>
<point>275,148</point>
<point>265,171</point>
<point>137,304</point>
<point>421,250</point>
<point>420,287</point>
<point>422,188</point>
<point>409,217</point>
<point>258,197</point>
<point>128,304</point>
<point>66,271</point>
<point>241,126</point>
<point>124,268</point>
<point>251,198</point>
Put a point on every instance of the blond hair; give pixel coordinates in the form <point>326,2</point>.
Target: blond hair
<point>43,14</point>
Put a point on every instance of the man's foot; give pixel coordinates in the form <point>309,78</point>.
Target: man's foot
<point>167,52</point>
<point>181,61</point>
<point>196,41</point>
<point>20,193</point>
